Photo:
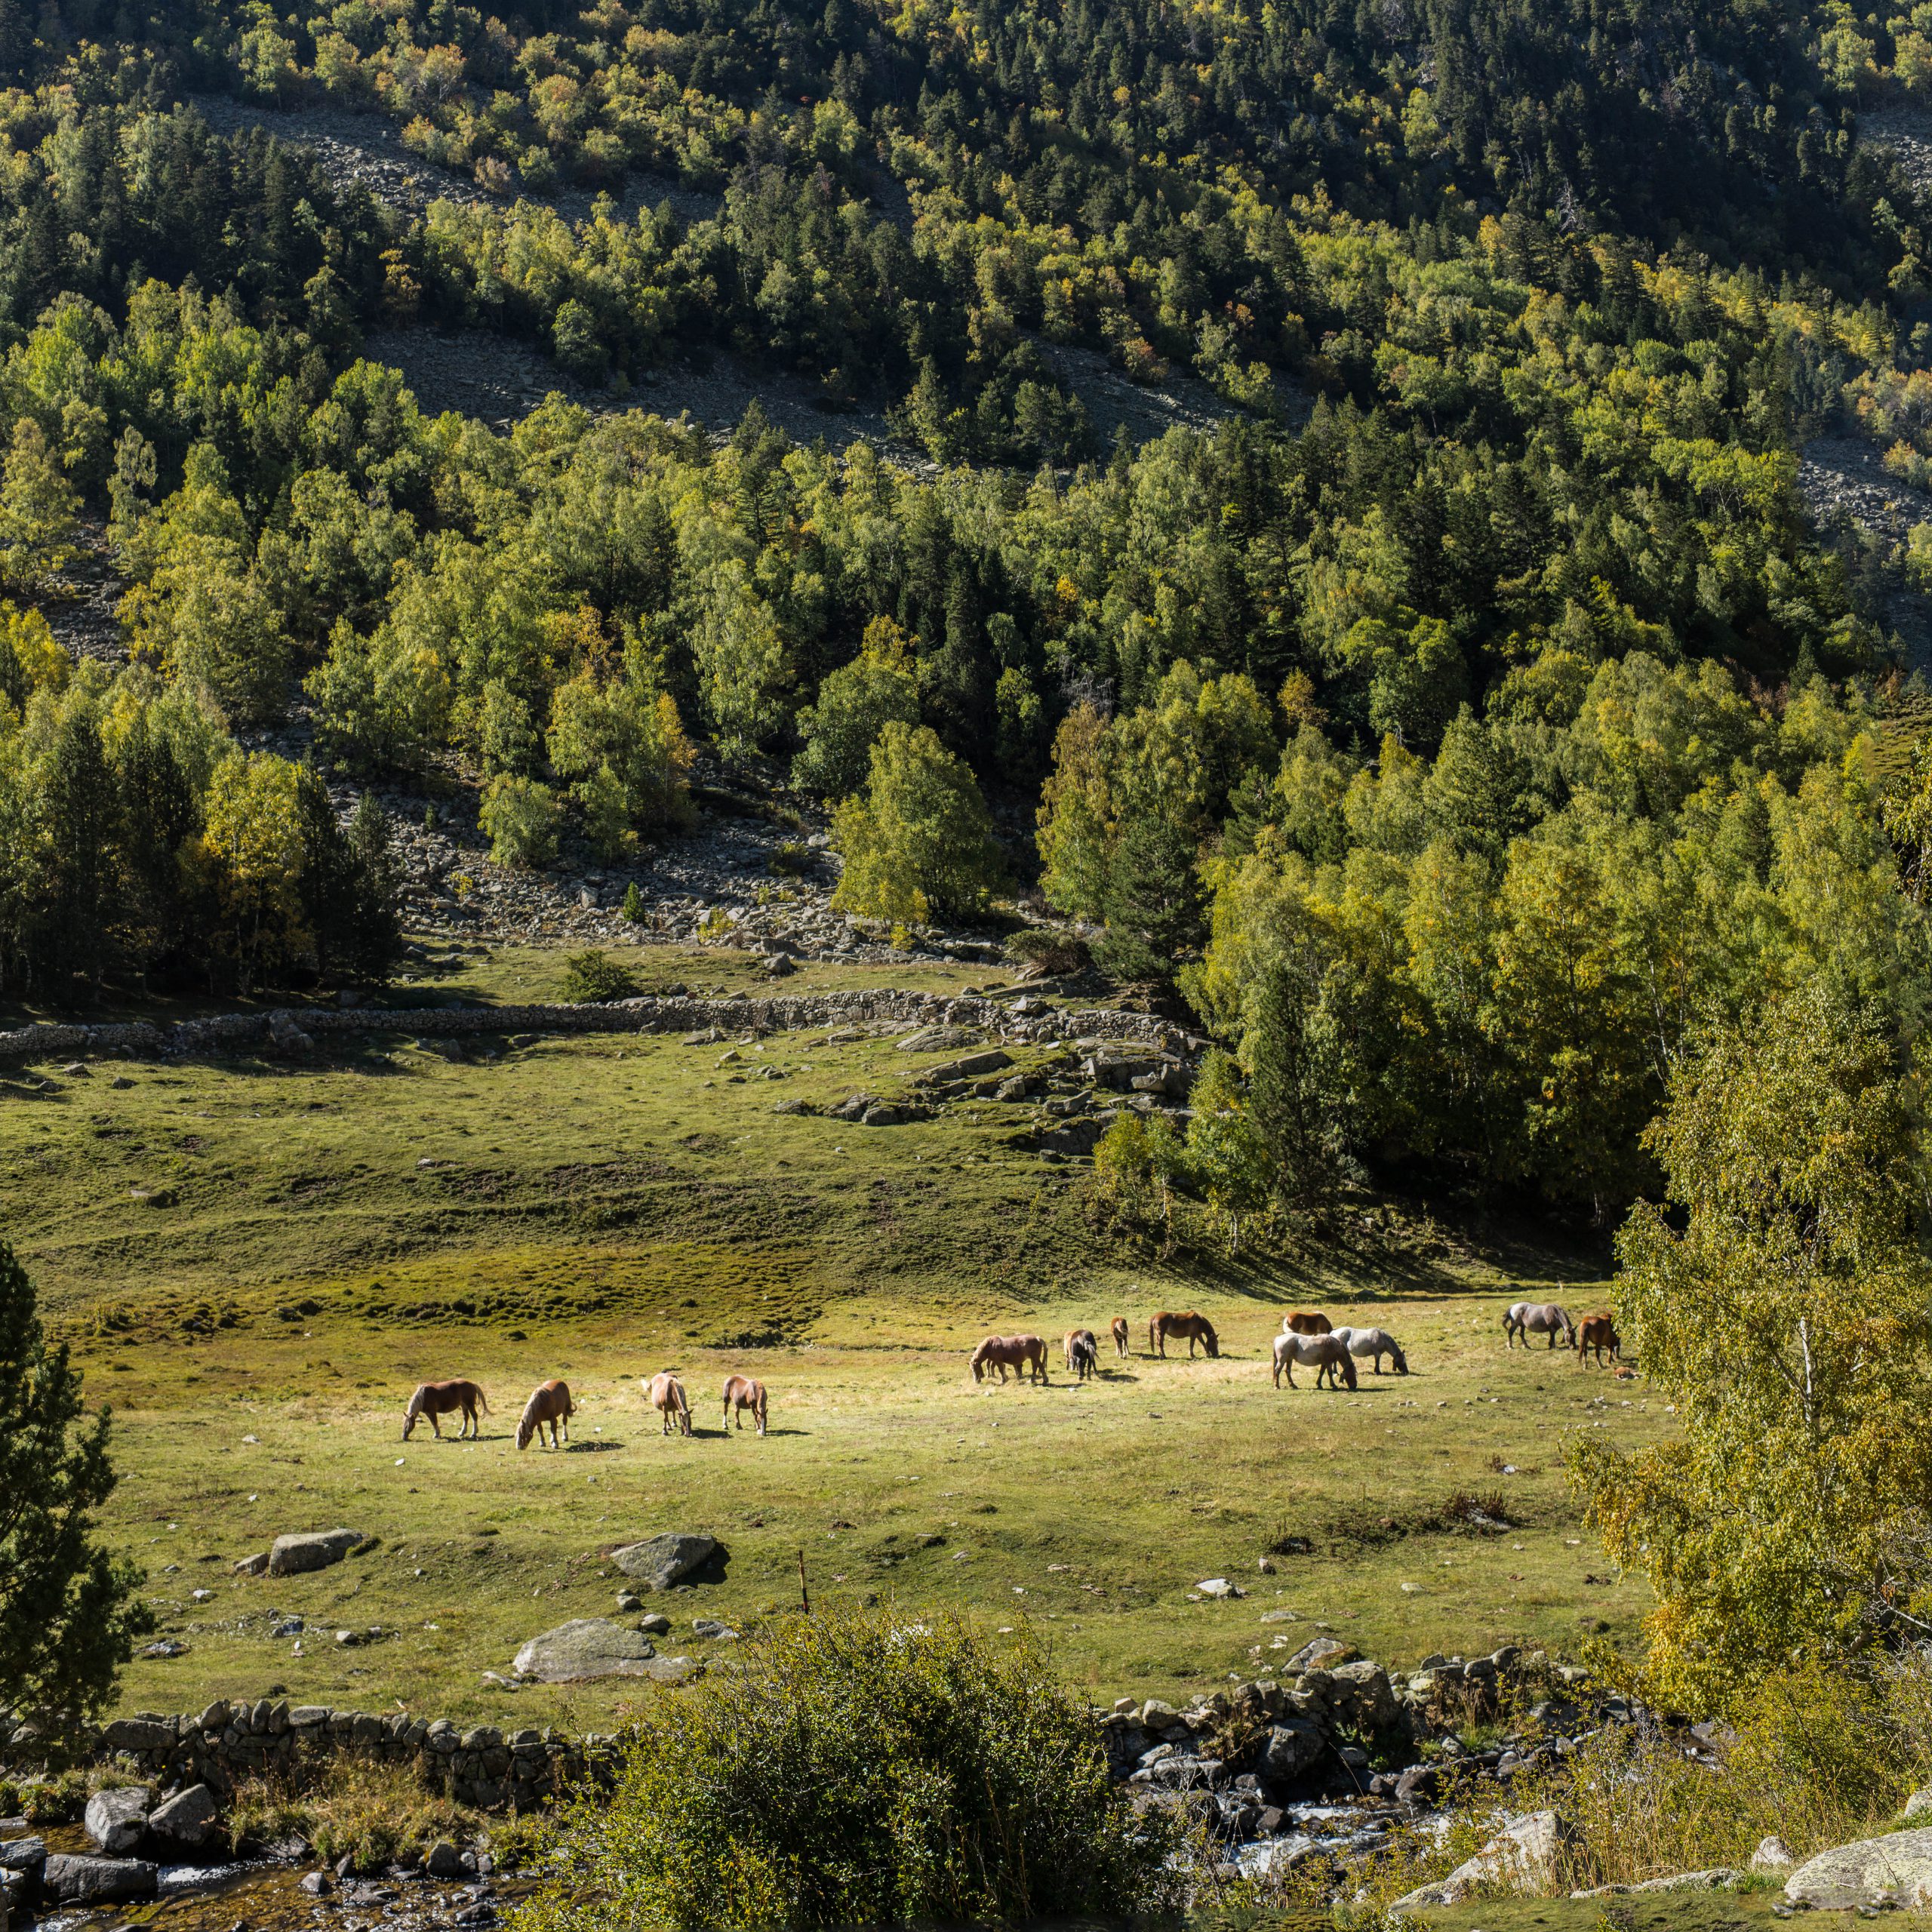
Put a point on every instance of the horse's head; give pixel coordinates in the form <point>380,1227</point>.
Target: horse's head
<point>525,1429</point>
<point>1400,1360</point>
<point>411,1413</point>
<point>1210,1340</point>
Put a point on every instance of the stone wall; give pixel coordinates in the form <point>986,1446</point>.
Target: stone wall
<point>227,1744</point>
<point>290,1031</point>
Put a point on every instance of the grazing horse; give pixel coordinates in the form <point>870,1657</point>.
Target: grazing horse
<point>1195,1328</point>
<point>1306,1322</point>
<point>1325,1354</point>
<point>1020,1353</point>
<point>438,1399</point>
<point>549,1401</point>
<point>1598,1331</point>
<point>1376,1342</point>
<point>1074,1336</point>
<point>1526,1319</point>
<point>742,1393</point>
<point>1083,1353</point>
<point>1120,1336</point>
<point>668,1398</point>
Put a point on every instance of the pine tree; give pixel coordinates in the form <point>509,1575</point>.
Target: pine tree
<point>69,1613</point>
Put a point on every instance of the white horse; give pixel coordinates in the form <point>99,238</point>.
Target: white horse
<point>1326,1355</point>
<point>1374,1343</point>
<point>668,1398</point>
<point>1526,1319</point>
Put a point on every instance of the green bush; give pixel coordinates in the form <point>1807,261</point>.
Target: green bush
<point>521,818</point>
<point>592,977</point>
<point>859,1770</point>
<point>792,859</point>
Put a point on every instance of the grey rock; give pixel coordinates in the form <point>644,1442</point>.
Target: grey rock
<point>709,1626</point>
<point>653,1625</point>
<point>137,1734</point>
<point>311,1549</point>
<point>936,1040</point>
<point>1919,1805</point>
<point>22,1854</point>
<point>1323,1653</point>
<point>1773,1855</point>
<point>70,1879</point>
<point>1895,1870</point>
<point>117,1820</point>
<point>1294,1748</point>
<point>188,1819</point>
<point>661,1561</point>
<point>1219,1587</point>
<point>587,1647</point>
<point>445,1860</point>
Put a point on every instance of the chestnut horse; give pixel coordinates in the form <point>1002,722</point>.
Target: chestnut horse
<point>1325,1354</point>
<point>742,1393</point>
<point>1598,1331</point>
<point>1305,1322</point>
<point>1020,1353</point>
<point>1526,1319</point>
<point>1083,1353</point>
<point>668,1398</point>
<point>1120,1332</point>
<point>1195,1328</point>
<point>549,1401</point>
<point>438,1399</point>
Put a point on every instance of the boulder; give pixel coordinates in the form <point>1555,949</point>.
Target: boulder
<point>1894,1870</point>
<point>1919,1805</point>
<point>586,1647</point>
<point>937,1040</point>
<point>664,1560</point>
<point>1220,1586</point>
<point>137,1734</point>
<point>311,1549</point>
<point>1293,1749</point>
<point>1773,1855</point>
<point>1525,1856</point>
<point>445,1860</point>
<point>22,1854</point>
<point>69,1878</point>
<point>188,1820</point>
<point>1323,1653</point>
<point>117,1820</point>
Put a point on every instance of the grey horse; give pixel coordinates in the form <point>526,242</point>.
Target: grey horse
<point>1374,1344</point>
<point>1526,1319</point>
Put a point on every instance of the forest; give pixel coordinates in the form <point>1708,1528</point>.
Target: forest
<point>1473,715</point>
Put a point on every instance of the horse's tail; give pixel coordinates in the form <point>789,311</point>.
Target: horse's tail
<point>482,1400</point>
<point>1153,1323</point>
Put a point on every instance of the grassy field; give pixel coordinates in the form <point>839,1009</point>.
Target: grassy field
<point>257,1261</point>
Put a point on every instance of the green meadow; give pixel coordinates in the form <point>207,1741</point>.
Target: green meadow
<point>256,1261</point>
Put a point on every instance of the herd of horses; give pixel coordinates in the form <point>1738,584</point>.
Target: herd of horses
<point>1308,1339</point>
<point>550,1406</point>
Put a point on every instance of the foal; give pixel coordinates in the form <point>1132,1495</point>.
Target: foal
<point>742,1393</point>
<point>1083,1353</point>
<point>1120,1333</point>
<point>549,1402</point>
<point>438,1399</point>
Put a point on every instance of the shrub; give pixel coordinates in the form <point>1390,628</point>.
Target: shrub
<point>792,859</point>
<point>633,906</point>
<point>521,817</point>
<point>350,1808</point>
<point>1053,954</point>
<point>859,1770</point>
<point>592,977</point>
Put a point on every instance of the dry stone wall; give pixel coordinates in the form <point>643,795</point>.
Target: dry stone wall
<point>293,1031</point>
<point>227,1744</point>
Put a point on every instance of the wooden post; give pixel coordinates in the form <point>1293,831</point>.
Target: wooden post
<point>805,1589</point>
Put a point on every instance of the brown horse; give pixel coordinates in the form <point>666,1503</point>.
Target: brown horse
<point>1325,1354</point>
<point>668,1398</point>
<point>1075,1335</point>
<point>1120,1334</point>
<point>1083,1353</point>
<point>1597,1331</point>
<point>1306,1322</point>
<point>1020,1353</point>
<point>1193,1328</point>
<point>549,1402</point>
<point>438,1399</point>
<point>742,1393</point>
